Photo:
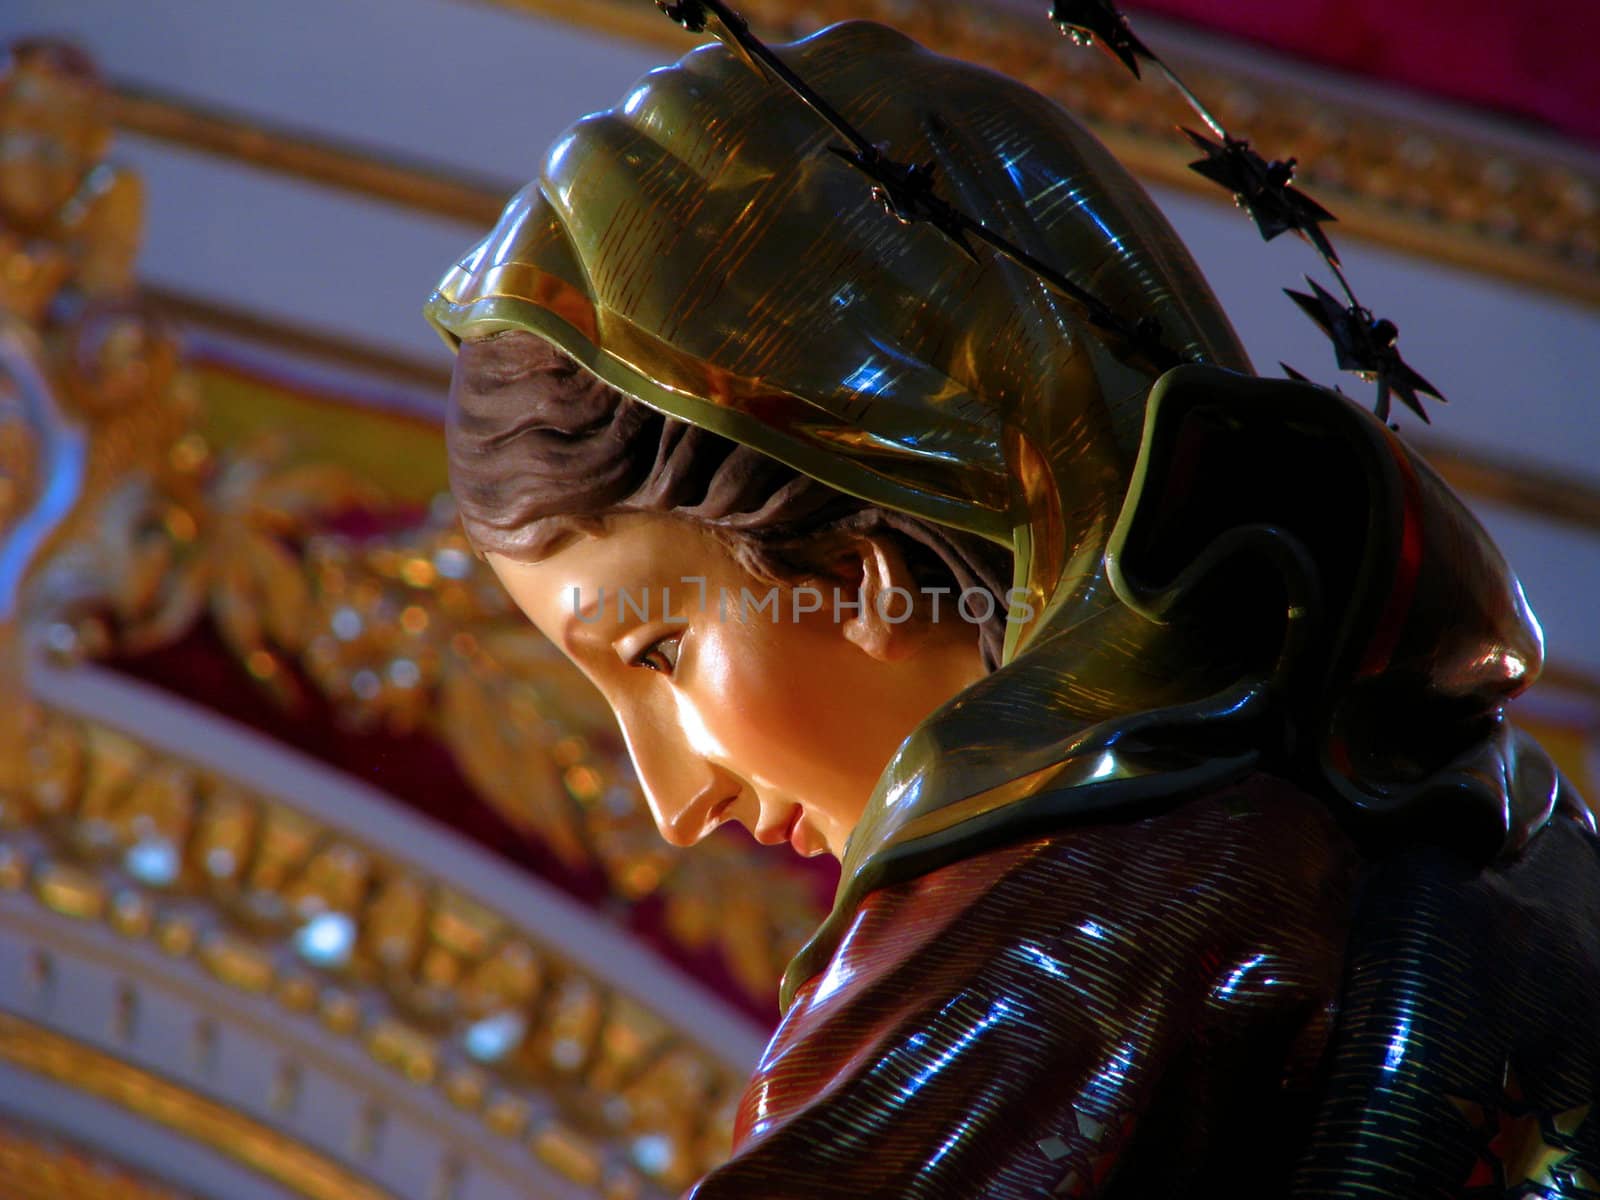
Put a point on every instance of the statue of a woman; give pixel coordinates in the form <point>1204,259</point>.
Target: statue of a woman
<point>1156,717</point>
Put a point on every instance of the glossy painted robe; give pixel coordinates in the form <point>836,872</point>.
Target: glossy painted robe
<point>1226,998</point>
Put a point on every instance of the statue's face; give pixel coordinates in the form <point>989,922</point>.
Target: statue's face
<point>780,721</point>
<point>51,135</point>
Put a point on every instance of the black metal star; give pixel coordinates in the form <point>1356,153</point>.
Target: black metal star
<point>1367,347</point>
<point>905,189</point>
<point>1298,377</point>
<point>691,14</point>
<point>695,16</point>
<point>906,192</point>
<point>1263,189</point>
<point>1086,21</point>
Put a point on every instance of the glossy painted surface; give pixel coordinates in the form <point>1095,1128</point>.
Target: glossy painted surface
<point>728,716</point>
<point>1224,999</point>
<point>701,248</point>
<point>1232,579</point>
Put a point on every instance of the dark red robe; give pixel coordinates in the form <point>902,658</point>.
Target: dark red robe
<point>1224,998</point>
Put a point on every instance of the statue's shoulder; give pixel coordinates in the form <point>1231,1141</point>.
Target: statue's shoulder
<point>1255,866</point>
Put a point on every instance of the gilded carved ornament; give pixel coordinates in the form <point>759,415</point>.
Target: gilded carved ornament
<point>138,530</point>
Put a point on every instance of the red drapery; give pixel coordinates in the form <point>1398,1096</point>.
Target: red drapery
<point>1533,59</point>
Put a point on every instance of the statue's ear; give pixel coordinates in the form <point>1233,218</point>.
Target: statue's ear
<point>890,622</point>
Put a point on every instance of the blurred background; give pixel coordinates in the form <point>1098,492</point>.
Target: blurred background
<point>320,874</point>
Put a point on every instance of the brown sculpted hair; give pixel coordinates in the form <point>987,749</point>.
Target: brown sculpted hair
<point>540,449</point>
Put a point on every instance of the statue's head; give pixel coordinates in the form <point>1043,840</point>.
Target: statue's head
<point>54,128</point>
<point>701,312</point>
<point>765,640</point>
<point>697,346</point>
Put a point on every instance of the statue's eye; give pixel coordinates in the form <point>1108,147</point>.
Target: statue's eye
<point>660,655</point>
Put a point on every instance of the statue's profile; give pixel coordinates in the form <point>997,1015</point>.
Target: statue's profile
<point>1154,714</point>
